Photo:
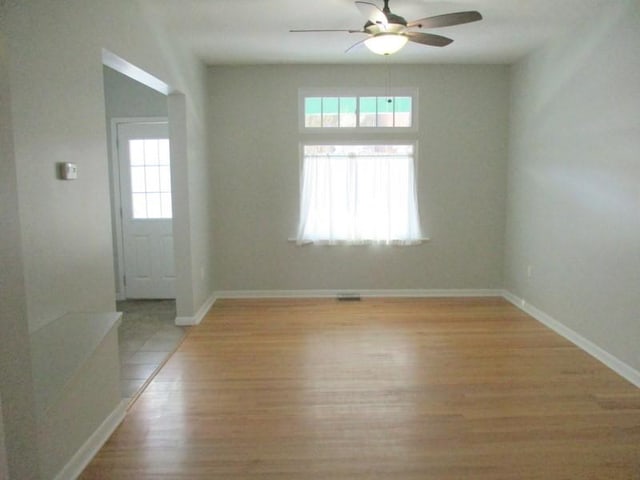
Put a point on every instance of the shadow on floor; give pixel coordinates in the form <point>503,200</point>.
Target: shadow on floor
<point>147,337</point>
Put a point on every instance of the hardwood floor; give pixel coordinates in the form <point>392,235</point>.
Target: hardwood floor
<point>379,389</point>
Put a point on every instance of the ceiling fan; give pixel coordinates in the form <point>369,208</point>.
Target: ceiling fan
<point>388,32</point>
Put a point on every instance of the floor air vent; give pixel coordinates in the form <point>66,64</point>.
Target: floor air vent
<point>348,297</point>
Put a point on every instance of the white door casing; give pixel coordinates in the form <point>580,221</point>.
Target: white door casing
<point>146,210</point>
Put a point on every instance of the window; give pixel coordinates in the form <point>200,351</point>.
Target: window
<point>358,194</point>
<point>388,111</point>
<point>150,178</point>
<point>361,190</point>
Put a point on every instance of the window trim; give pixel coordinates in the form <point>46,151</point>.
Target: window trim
<point>358,92</point>
<point>367,141</point>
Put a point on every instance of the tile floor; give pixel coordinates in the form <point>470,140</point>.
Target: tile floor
<point>147,336</point>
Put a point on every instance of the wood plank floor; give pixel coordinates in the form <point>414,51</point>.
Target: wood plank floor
<point>379,389</point>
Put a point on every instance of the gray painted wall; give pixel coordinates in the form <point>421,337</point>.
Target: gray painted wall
<point>574,182</point>
<point>461,180</point>
<point>125,97</point>
<point>4,465</point>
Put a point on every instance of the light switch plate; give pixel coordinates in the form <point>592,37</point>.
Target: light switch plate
<point>68,171</point>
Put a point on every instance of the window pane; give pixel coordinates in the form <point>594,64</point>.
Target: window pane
<point>348,111</point>
<point>137,180</point>
<point>165,199</point>
<point>359,194</point>
<point>136,152</point>
<point>312,112</point>
<point>385,112</point>
<point>165,179</point>
<point>163,151</point>
<point>402,104</point>
<point>154,208</point>
<point>139,205</point>
<point>368,111</point>
<point>330,109</point>
<point>151,152</point>
<point>152,179</point>
<point>402,111</point>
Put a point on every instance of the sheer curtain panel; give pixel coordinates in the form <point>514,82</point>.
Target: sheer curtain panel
<point>358,194</point>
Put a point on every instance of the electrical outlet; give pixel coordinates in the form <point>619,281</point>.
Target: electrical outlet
<point>529,271</point>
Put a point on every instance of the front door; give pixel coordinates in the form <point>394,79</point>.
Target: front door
<point>147,227</point>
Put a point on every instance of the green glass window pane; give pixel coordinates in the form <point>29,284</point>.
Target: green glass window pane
<point>385,104</point>
<point>312,105</point>
<point>348,112</point>
<point>313,112</point>
<point>402,109</point>
<point>330,105</point>
<point>348,104</point>
<point>385,112</point>
<point>368,111</point>
<point>367,104</point>
<point>402,104</point>
<point>330,109</point>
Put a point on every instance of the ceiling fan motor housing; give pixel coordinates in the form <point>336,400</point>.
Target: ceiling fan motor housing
<point>393,21</point>
<point>391,27</point>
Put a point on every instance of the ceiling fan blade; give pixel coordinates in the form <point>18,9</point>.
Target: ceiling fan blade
<point>429,39</point>
<point>326,30</point>
<point>372,12</point>
<point>355,46</point>
<point>446,20</point>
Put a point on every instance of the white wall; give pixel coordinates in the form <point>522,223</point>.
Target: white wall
<point>461,180</point>
<point>61,231</point>
<point>58,115</point>
<point>16,389</point>
<point>574,182</point>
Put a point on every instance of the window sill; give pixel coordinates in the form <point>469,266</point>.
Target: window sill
<point>344,243</point>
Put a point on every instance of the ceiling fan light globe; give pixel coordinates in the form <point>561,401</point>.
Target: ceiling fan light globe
<point>386,43</point>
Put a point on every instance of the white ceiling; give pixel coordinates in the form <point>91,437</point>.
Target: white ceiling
<point>257,31</point>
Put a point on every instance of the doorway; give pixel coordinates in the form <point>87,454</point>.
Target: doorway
<point>143,214</point>
<point>145,248</point>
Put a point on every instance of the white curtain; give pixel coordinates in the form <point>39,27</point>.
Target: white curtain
<point>356,196</point>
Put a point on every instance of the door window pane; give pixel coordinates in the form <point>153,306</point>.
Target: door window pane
<point>150,175</point>
<point>163,151</point>
<point>136,152</point>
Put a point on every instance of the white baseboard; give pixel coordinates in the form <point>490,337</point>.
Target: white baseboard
<point>591,348</point>
<point>418,293</point>
<point>94,443</point>
<point>197,318</point>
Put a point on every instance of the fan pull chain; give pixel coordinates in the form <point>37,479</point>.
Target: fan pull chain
<point>388,85</point>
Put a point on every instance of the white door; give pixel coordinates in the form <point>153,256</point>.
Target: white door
<point>147,227</point>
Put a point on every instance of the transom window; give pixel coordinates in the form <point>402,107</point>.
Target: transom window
<point>357,169</point>
<point>369,110</point>
<point>353,112</point>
